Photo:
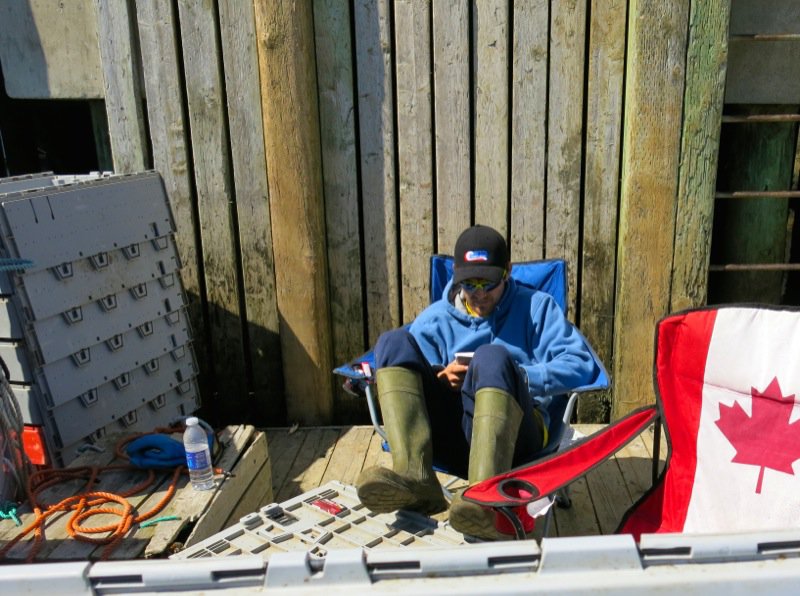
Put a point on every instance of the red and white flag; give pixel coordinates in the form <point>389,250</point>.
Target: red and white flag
<point>729,381</point>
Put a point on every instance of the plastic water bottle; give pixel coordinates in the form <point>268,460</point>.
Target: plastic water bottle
<point>198,456</point>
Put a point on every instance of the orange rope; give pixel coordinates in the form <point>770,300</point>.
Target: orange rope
<point>91,502</point>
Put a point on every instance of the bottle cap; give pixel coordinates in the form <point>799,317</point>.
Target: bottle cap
<point>192,420</point>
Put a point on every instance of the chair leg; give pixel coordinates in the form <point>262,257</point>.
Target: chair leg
<point>563,500</point>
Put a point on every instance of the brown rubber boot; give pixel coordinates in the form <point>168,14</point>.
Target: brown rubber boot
<point>411,483</point>
<point>494,433</point>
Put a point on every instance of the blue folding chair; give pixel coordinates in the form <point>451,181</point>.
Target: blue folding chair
<point>548,276</point>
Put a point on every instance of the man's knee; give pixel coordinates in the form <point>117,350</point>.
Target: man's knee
<point>492,356</point>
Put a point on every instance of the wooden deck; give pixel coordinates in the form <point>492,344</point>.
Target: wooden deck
<point>188,517</point>
<point>305,458</point>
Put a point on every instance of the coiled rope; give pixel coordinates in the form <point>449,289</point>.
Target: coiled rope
<point>91,502</point>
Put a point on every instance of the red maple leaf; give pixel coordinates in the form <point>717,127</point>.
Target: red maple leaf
<point>766,438</point>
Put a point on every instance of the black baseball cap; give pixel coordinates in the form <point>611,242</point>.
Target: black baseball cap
<point>481,253</point>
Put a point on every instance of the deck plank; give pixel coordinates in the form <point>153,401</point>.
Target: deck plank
<point>348,455</point>
<point>310,464</point>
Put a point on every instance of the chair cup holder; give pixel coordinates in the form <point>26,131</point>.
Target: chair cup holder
<point>523,493</point>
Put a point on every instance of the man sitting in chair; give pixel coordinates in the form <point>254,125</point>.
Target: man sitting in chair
<point>474,416</point>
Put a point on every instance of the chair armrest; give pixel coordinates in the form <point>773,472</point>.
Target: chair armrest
<point>528,483</point>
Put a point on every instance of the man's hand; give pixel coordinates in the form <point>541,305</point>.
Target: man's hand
<point>452,375</point>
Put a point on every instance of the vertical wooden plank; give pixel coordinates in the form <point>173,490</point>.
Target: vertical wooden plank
<point>491,113</point>
<point>377,141</point>
<point>564,138</point>
<point>291,132</point>
<point>168,134</point>
<point>528,128</point>
<point>414,150</point>
<point>651,148</point>
<point>212,177</point>
<point>123,93</point>
<point>339,178</point>
<point>706,64</point>
<point>240,58</point>
<point>451,119</point>
<point>601,188</point>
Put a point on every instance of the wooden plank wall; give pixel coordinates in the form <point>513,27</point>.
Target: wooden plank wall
<point>316,159</point>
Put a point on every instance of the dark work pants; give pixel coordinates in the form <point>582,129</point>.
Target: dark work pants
<point>451,413</point>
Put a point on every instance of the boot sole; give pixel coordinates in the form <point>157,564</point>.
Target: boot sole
<point>475,521</point>
<point>385,497</point>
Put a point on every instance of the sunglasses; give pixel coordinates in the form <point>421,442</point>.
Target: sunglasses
<point>473,285</point>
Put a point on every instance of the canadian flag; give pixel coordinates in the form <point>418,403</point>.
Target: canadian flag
<point>728,380</point>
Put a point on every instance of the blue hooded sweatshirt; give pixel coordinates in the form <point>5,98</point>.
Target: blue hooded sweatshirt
<point>553,354</point>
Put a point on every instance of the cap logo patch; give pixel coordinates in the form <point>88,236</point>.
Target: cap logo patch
<point>472,256</point>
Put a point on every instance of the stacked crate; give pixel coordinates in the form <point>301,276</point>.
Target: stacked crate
<point>93,325</point>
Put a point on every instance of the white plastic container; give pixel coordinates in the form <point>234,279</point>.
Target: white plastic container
<point>198,456</point>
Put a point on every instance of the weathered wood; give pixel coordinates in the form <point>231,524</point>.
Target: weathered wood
<point>610,495</point>
<point>651,148</point>
<point>601,189</point>
<point>580,519</point>
<point>373,37</point>
<point>347,459</point>
<point>119,483</point>
<point>291,132</point>
<point>310,463</point>
<point>451,118</point>
<point>212,176</point>
<point>490,23</point>
<point>284,447</point>
<point>240,59</point>
<point>190,505</point>
<point>49,50</point>
<point>123,95</point>
<point>528,129</point>
<point>246,472</point>
<point>55,527</point>
<point>340,183</point>
<point>258,494</point>
<point>706,63</point>
<point>636,463</point>
<point>564,139</point>
<point>414,150</point>
<point>169,138</point>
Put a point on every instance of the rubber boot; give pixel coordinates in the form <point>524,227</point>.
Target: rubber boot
<point>495,426</point>
<point>412,483</point>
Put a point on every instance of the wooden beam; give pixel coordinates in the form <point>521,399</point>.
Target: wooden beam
<point>213,182</point>
<point>334,54</point>
<point>414,150</point>
<point>490,23</point>
<point>374,63</point>
<point>123,94</point>
<point>529,128</point>
<point>601,188</point>
<point>451,109</point>
<point>285,38</point>
<point>650,160</point>
<point>703,101</point>
<point>240,58</point>
<point>565,138</point>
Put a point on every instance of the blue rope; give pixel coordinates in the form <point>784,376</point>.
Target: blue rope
<point>15,264</point>
<point>8,510</point>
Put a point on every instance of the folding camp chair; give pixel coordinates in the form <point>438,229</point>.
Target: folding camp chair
<point>548,276</point>
<point>726,379</point>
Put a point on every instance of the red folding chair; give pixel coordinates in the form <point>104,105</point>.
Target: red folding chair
<point>726,380</point>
